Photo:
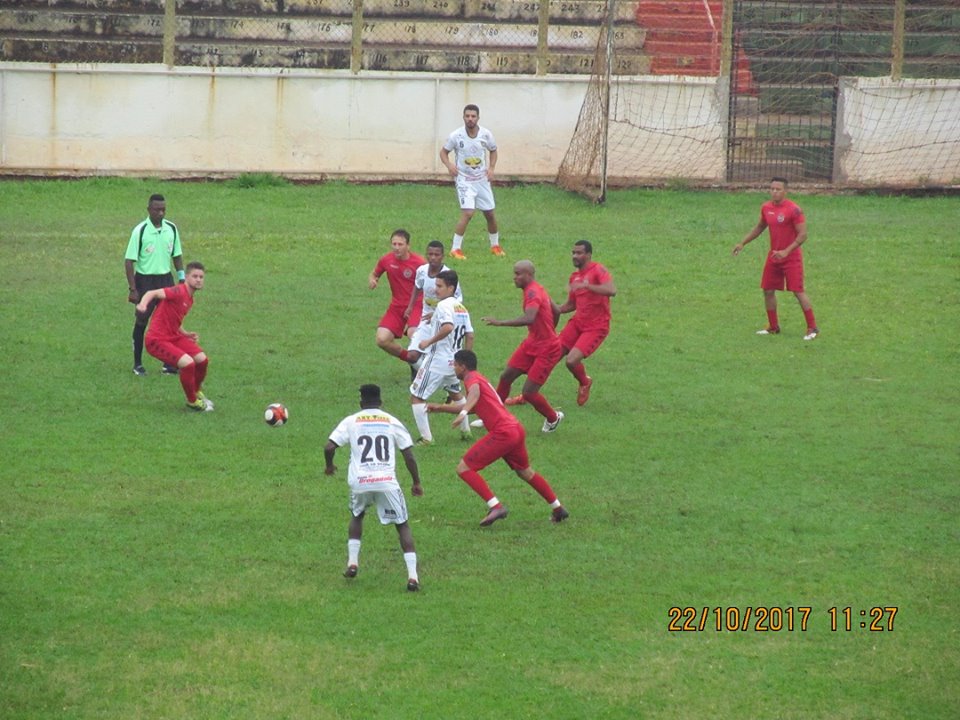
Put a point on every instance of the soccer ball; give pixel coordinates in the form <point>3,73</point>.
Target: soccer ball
<point>276,414</point>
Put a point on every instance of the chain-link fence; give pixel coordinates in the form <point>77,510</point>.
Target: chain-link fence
<point>495,36</point>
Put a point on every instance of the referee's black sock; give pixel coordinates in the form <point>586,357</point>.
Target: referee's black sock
<point>138,332</point>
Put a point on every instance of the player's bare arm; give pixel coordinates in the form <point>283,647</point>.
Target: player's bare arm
<point>491,165</point>
<point>750,237</point>
<point>414,298</point>
<point>607,288</point>
<point>149,297</point>
<point>373,280</point>
<point>444,330</point>
<point>798,241</point>
<point>328,452</point>
<point>134,295</point>
<point>445,159</point>
<point>416,488</point>
<point>529,315</point>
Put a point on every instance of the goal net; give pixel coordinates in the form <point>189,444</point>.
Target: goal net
<point>853,93</point>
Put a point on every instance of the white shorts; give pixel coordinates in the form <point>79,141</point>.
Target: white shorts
<point>428,381</point>
<point>475,194</point>
<point>391,505</point>
<point>420,334</point>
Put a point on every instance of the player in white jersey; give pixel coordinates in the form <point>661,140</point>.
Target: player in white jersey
<point>450,331</point>
<point>374,437</point>
<point>425,291</point>
<point>471,144</point>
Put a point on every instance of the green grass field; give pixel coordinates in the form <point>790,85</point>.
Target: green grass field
<point>161,564</point>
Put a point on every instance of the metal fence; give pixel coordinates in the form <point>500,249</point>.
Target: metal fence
<point>498,36</point>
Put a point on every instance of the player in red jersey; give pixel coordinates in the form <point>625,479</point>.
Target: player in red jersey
<point>588,293</point>
<point>540,351</point>
<point>505,439</point>
<point>168,342</point>
<point>400,265</point>
<point>784,266</point>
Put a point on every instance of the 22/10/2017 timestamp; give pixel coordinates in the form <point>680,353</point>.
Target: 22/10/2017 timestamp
<point>777,619</point>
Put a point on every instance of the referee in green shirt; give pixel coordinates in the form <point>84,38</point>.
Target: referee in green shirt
<point>153,244</point>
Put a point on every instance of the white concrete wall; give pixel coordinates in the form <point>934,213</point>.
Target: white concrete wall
<point>898,132</point>
<point>154,121</point>
<point>151,120</point>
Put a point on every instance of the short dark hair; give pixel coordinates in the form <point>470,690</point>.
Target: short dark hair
<point>586,245</point>
<point>449,277</point>
<point>778,179</point>
<point>467,358</point>
<point>402,233</point>
<point>195,265</point>
<point>370,395</point>
<point>435,244</point>
<point>157,197</point>
<point>471,107</point>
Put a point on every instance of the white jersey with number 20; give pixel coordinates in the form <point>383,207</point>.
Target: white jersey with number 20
<point>374,437</point>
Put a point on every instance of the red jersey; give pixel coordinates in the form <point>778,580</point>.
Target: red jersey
<point>168,317</point>
<point>542,333</point>
<point>401,274</point>
<point>593,310</point>
<point>489,408</point>
<point>782,221</point>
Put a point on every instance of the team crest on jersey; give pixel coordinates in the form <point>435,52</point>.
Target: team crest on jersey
<point>407,273</point>
<point>780,218</point>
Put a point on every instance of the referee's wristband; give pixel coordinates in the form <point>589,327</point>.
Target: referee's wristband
<point>181,275</point>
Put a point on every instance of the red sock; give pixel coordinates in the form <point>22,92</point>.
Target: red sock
<point>773,322</point>
<point>503,390</point>
<point>540,403</point>
<point>201,372</point>
<point>476,483</point>
<point>188,379</point>
<point>539,483</point>
<point>404,355</point>
<point>811,323</point>
<point>579,372</point>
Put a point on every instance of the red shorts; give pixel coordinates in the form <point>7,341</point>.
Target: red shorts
<point>536,363</point>
<point>586,340</point>
<point>170,352</point>
<point>510,445</point>
<point>394,321</point>
<point>782,276</point>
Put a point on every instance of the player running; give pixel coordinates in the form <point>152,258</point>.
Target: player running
<point>588,294</point>
<point>450,331</point>
<point>505,439</point>
<point>540,351</point>
<point>400,265</point>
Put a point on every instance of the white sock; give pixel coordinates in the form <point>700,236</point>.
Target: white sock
<point>457,242</point>
<point>465,423</point>
<point>494,239</point>
<point>423,422</point>
<point>493,502</point>
<point>411,560</point>
<point>353,552</point>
